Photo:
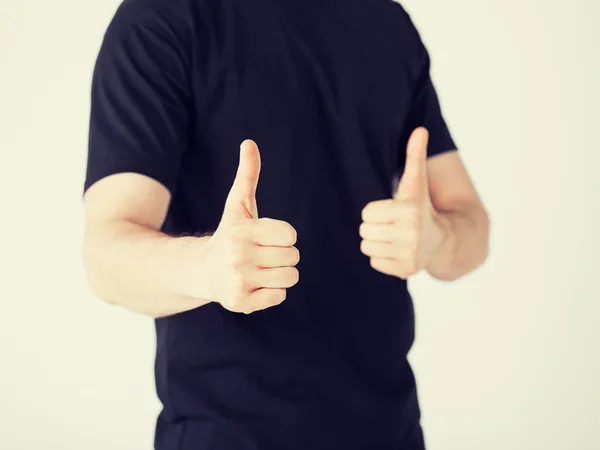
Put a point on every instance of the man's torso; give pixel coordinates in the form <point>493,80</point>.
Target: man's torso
<point>324,88</point>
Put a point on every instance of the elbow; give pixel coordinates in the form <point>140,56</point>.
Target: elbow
<point>482,250</point>
<point>447,278</point>
<point>485,245</point>
<point>94,276</point>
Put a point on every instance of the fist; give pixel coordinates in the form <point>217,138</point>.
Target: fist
<point>249,262</point>
<point>400,235</point>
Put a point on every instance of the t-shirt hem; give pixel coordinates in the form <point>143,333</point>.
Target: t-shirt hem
<point>154,170</point>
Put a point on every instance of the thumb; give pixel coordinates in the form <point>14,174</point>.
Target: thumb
<point>241,201</point>
<point>413,184</point>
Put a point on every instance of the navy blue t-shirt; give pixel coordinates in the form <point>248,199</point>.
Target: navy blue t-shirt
<point>330,91</point>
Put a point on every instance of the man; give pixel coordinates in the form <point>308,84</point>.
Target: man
<point>282,312</point>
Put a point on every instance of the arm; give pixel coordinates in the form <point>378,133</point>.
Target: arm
<point>139,127</point>
<point>434,222</point>
<point>127,260</point>
<point>246,265</point>
<point>460,215</point>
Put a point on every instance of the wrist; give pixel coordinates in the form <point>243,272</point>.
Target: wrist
<point>443,254</point>
<point>194,276</point>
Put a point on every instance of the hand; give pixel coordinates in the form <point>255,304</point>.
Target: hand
<point>401,235</point>
<point>249,262</point>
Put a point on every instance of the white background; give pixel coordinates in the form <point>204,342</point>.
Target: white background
<point>507,358</point>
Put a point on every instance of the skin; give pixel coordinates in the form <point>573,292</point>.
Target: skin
<point>435,222</point>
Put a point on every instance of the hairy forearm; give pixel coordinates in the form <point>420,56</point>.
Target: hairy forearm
<point>142,269</point>
<point>465,243</point>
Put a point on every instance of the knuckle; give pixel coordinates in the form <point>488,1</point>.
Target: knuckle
<point>296,258</point>
<point>245,286</point>
<point>236,303</point>
<point>282,296</point>
<point>364,246</point>
<point>292,234</point>
<point>241,286</point>
<point>368,209</point>
<point>401,271</point>
<point>366,213</point>
<point>247,310</point>
<point>362,229</point>
<point>293,275</point>
<point>276,297</point>
<point>238,258</point>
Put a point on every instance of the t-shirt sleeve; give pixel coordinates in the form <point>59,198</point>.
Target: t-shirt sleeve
<point>424,109</point>
<point>140,100</point>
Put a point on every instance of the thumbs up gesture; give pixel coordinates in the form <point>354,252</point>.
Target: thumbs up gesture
<point>400,235</point>
<point>250,261</point>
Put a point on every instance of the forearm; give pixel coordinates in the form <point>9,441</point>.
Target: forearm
<point>464,246</point>
<point>142,269</point>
